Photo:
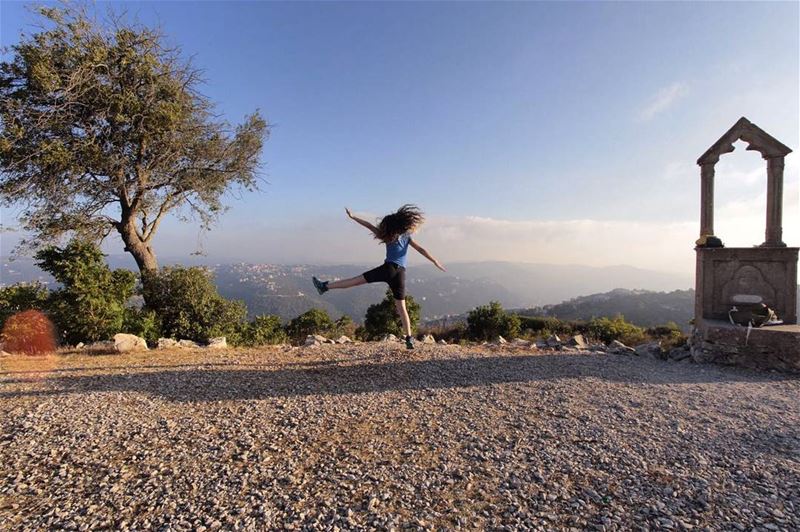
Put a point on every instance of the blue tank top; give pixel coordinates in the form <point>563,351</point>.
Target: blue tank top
<point>397,251</point>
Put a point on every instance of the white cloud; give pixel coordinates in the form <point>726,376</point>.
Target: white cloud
<point>662,100</point>
<point>653,245</point>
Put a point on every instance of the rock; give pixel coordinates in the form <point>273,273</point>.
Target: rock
<point>314,340</point>
<point>217,343</point>
<point>678,353</point>
<point>442,342</point>
<point>618,348</point>
<point>166,343</point>
<point>649,350</point>
<point>124,343</point>
<point>80,345</point>
<point>519,342</point>
<point>501,340</point>
<point>553,341</point>
<point>578,341</point>
<point>4,353</point>
<point>428,339</point>
<point>344,340</point>
<point>389,338</point>
<point>187,343</point>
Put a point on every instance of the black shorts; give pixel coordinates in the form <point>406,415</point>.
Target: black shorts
<point>392,274</point>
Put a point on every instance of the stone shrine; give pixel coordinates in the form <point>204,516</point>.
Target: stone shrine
<point>737,278</point>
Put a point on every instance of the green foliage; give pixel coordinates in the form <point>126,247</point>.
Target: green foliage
<point>487,322</point>
<point>19,297</point>
<point>263,330</point>
<point>90,305</point>
<point>314,321</point>
<point>344,326</point>
<point>539,325</point>
<point>189,306</point>
<point>142,322</point>
<point>607,330</point>
<point>382,318</point>
<point>360,334</point>
<point>454,333</point>
<point>670,335</point>
<point>101,117</point>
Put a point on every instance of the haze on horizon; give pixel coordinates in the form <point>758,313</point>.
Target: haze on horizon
<point>529,132</point>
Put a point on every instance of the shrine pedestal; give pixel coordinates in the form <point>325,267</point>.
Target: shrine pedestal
<point>772,347</point>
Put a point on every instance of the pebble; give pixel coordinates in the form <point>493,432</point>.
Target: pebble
<point>370,436</point>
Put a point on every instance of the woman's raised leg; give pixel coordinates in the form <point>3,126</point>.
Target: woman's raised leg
<point>347,283</point>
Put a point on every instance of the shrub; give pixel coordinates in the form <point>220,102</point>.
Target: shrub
<point>142,322</point>
<point>607,330</point>
<point>487,322</point>
<point>344,326</point>
<point>382,318</point>
<point>670,335</point>
<point>314,321</point>
<point>20,297</point>
<point>452,333</point>
<point>90,305</point>
<point>263,330</point>
<point>188,305</point>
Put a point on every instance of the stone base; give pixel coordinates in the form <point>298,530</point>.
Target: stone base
<point>773,347</point>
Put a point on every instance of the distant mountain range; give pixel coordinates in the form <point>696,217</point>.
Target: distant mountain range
<point>286,290</point>
<point>641,307</point>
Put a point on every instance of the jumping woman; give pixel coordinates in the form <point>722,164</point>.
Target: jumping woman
<point>395,231</point>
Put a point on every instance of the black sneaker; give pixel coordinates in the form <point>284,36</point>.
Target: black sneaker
<point>409,342</point>
<point>321,286</point>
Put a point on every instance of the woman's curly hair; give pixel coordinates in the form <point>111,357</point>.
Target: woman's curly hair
<point>393,225</point>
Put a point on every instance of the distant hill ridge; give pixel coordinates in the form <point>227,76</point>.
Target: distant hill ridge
<point>286,290</point>
<point>644,297</point>
<point>641,307</point>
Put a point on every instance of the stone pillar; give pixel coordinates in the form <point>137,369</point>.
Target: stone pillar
<point>774,232</point>
<point>707,199</point>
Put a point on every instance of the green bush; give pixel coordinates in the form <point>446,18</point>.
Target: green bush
<point>90,305</point>
<point>360,333</point>
<point>487,322</point>
<point>547,325</point>
<point>314,321</point>
<point>142,322</point>
<point>344,326</point>
<point>263,330</point>
<point>189,306</point>
<point>607,330</point>
<point>382,318</point>
<point>670,335</point>
<point>452,334</point>
<point>21,296</point>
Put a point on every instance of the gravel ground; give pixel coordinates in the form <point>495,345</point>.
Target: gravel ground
<point>370,436</point>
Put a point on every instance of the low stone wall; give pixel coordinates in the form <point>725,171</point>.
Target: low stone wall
<point>776,347</point>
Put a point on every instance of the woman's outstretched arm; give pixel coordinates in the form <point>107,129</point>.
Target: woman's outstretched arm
<point>362,222</point>
<point>427,255</point>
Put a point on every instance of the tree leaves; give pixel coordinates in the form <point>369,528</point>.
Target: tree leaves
<point>102,127</point>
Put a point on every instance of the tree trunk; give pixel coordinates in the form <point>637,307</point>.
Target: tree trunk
<point>141,251</point>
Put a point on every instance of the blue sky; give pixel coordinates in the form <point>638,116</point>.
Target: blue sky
<point>540,132</point>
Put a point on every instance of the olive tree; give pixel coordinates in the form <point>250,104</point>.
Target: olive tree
<point>103,129</point>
